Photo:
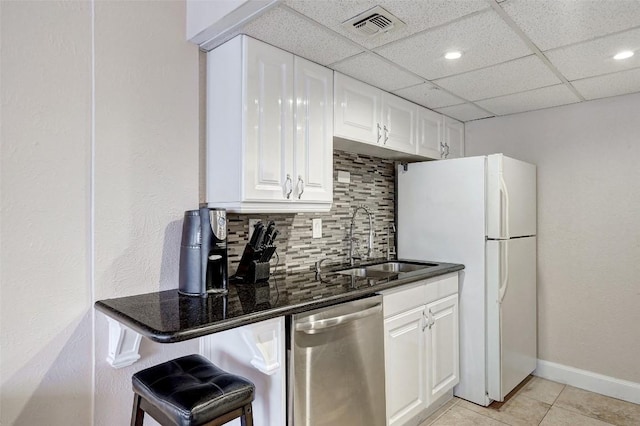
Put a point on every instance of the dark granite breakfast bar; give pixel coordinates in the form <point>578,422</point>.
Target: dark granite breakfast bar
<point>169,317</point>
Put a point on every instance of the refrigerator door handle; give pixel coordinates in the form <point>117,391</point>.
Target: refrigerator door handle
<point>504,255</point>
<point>504,208</point>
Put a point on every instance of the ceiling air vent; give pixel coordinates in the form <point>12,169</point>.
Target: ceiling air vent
<point>373,22</point>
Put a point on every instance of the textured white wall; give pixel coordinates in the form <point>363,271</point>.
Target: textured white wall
<point>145,174</point>
<point>45,322</point>
<point>146,170</point>
<point>588,226</point>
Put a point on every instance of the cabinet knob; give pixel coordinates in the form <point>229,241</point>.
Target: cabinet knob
<point>288,186</point>
<point>300,187</point>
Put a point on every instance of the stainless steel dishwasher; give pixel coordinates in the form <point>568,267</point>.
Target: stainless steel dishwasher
<point>336,365</point>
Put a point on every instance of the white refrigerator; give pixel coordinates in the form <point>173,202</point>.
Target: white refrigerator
<point>481,212</point>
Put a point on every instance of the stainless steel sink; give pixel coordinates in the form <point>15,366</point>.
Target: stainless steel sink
<point>385,270</point>
<point>400,266</point>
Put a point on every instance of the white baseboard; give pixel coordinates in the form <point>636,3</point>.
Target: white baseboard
<point>587,380</point>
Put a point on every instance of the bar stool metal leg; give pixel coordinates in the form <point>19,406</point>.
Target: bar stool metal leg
<point>137,416</point>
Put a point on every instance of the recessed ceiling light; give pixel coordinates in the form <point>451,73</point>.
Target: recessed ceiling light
<point>623,55</point>
<point>453,55</point>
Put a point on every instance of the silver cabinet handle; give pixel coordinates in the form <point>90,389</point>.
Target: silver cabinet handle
<point>313,327</point>
<point>386,134</point>
<point>378,141</point>
<point>288,186</point>
<point>432,321</point>
<point>426,321</point>
<point>444,150</point>
<point>300,187</point>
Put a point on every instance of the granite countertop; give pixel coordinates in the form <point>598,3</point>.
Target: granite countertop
<point>169,317</point>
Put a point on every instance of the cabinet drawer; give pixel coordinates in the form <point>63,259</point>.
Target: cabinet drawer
<point>419,293</point>
<point>446,285</point>
<point>403,298</point>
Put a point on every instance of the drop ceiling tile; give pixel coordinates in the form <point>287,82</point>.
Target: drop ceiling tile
<point>418,15</point>
<point>295,34</point>
<point>554,23</point>
<point>595,57</point>
<point>484,39</point>
<point>429,95</point>
<point>376,71</point>
<point>619,83</point>
<point>510,77</point>
<point>464,112</point>
<point>531,100</point>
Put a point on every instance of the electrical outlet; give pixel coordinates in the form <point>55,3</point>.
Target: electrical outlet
<point>252,226</point>
<point>316,229</point>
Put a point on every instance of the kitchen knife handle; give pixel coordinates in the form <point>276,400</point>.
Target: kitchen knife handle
<point>288,186</point>
<point>300,186</point>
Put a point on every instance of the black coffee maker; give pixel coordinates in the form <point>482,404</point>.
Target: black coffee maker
<point>203,253</point>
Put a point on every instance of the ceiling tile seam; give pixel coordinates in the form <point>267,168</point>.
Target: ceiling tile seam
<point>325,28</point>
<point>518,92</point>
<point>481,68</point>
<point>501,12</point>
<point>576,43</point>
<point>365,49</point>
<point>434,28</point>
<point>538,109</point>
<point>605,74</point>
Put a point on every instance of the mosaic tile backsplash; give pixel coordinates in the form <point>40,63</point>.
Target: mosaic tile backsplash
<point>372,185</point>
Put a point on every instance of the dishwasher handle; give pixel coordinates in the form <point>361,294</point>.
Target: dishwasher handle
<point>312,327</point>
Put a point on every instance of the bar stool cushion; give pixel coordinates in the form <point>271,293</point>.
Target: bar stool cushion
<point>191,390</point>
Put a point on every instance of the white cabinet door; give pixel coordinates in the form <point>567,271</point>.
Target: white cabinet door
<point>398,124</point>
<point>429,133</point>
<point>313,138</point>
<point>454,138</point>
<point>357,110</point>
<point>268,154</point>
<point>404,343</point>
<point>442,347</point>
<point>269,130</point>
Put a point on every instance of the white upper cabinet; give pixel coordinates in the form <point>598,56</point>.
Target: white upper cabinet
<point>430,133</point>
<point>268,153</point>
<point>453,138</point>
<point>368,120</point>
<point>399,124</point>
<point>313,147</point>
<point>357,110</point>
<point>366,114</point>
<point>269,130</point>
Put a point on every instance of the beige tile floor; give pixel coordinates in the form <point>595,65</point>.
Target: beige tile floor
<point>540,402</point>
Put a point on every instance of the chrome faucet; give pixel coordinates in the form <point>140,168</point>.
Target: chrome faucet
<point>352,239</point>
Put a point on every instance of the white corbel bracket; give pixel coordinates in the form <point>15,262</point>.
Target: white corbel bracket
<point>124,344</point>
<point>263,341</point>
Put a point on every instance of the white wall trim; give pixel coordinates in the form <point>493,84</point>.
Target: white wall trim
<point>587,380</point>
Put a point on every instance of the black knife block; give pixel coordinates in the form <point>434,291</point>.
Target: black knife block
<point>258,272</point>
<point>254,266</point>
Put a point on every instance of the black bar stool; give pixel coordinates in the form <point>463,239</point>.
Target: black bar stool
<point>191,391</point>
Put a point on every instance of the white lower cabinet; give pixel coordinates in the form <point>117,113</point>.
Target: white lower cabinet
<point>257,352</point>
<point>421,348</point>
<point>405,369</point>
<point>442,340</point>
